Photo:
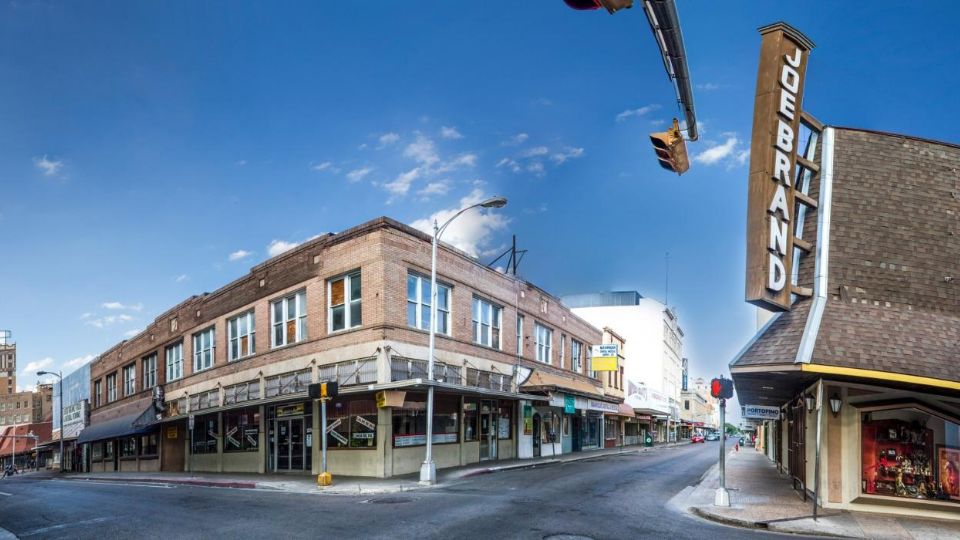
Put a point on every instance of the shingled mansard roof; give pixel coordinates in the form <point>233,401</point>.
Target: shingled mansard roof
<point>894,263</point>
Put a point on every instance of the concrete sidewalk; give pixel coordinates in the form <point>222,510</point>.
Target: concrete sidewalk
<point>345,485</point>
<point>761,497</point>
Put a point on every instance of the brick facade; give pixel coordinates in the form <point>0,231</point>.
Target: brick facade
<point>384,251</point>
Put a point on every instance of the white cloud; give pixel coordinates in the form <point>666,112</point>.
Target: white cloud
<point>120,306</point>
<point>471,232</point>
<point>636,112</point>
<point>277,247</point>
<point>434,188</point>
<point>387,139</point>
<point>462,160</point>
<point>401,185</point>
<point>131,333</point>
<point>516,140</point>
<point>49,167</point>
<point>37,365</point>
<point>743,156</point>
<point>708,86</point>
<point>108,320</point>
<point>422,150</point>
<point>569,153</point>
<point>716,153</point>
<point>358,174</point>
<point>78,361</point>
<point>450,133</point>
<point>239,254</point>
<point>240,162</point>
<point>181,278</point>
<point>321,166</point>
<point>510,163</point>
<point>536,151</point>
<point>536,168</point>
<point>86,315</point>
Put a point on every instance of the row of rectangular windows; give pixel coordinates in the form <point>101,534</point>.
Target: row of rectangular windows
<point>289,325</point>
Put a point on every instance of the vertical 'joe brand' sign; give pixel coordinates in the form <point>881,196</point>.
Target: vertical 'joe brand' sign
<point>773,156</point>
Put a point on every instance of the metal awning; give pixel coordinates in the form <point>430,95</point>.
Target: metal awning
<point>124,426</point>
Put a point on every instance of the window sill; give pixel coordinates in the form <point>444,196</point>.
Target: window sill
<point>251,355</point>
<point>332,332</point>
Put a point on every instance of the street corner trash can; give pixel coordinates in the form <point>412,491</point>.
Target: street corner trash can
<point>648,441</point>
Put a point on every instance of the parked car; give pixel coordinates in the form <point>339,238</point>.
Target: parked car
<point>696,438</point>
<point>712,436</point>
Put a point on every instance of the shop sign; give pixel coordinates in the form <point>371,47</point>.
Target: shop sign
<point>390,398</point>
<point>594,405</point>
<point>773,157</point>
<point>290,410</point>
<point>415,440</point>
<point>365,423</point>
<point>334,425</point>
<point>604,357</point>
<point>362,435</point>
<point>172,432</point>
<point>569,404</point>
<point>761,412</point>
<point>527,420</point>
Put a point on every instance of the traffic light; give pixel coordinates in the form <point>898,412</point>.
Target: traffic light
<point>610,5</point>
<point>671,149</point>
<point>721,388</point>
<point>323,390</point>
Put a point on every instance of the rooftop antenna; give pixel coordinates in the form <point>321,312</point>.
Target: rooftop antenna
<point>514,260</point>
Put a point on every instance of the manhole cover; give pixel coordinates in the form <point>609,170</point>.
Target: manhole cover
<point>567,537</point>
<point>390,500</point>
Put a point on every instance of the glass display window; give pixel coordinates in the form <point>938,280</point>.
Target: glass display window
<point>910,452</point>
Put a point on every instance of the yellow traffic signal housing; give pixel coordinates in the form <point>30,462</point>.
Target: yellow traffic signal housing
<point>671,149</point>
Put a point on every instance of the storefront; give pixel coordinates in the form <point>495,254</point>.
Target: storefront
<point>126,443</point>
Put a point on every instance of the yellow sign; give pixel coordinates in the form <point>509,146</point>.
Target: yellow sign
<point>604,357</point>
<point>390,398</point>
<point>172,432</point>
<point>290,410</point>
<point>604,363</point>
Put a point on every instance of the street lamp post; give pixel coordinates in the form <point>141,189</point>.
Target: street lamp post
<point>428,471</point>
<point>59,375</point>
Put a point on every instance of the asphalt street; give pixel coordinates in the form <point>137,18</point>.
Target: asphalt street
<point>619,496</point>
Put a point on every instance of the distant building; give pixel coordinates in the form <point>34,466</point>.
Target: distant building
<point>654,351</point>
<point>8,364</point>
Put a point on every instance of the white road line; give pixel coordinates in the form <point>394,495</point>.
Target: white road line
<point>45,530</point>
<point>6,494</point>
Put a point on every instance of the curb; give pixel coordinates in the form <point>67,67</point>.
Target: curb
<point>742,523</point>
<point>201,483</point>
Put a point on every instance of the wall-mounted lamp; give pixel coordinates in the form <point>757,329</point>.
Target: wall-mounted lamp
<point>835,404</point>
<point>809,401</point>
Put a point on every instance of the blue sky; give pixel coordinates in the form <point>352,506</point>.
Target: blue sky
<point>150,151</point>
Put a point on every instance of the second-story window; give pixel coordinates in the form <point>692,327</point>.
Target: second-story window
<point>345,307</point>
<point>149,364</point>
<point>289,318</point>
<point>563,344</point>
<point>543,337</point>
<point>203,350</point>
<point>130,379</point>
<point>97,394</point>
<point>111,388</point>
<point>240,332</point>
<point>519,335</point>
<point>418,304</point>
<point>486,323</point>
<point>576,356</point>
<point>174,362</point>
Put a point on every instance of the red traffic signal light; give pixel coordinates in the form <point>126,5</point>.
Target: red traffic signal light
<point>671,149</point>
<point>610,5</point>
<point>721,388</point>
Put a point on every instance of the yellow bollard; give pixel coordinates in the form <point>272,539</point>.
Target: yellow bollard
<point>324,479</point>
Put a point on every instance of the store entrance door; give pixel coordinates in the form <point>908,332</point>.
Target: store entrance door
<point>488,430</point>
<point>289,451</point>
<point>536,435</point>
<point>577,430</point>
<point>796,450</point>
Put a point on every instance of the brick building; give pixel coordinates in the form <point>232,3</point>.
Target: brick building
<point>27,407</point>
<point>876,345</point>
<point>351,307</point>
<point>8,364</point>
